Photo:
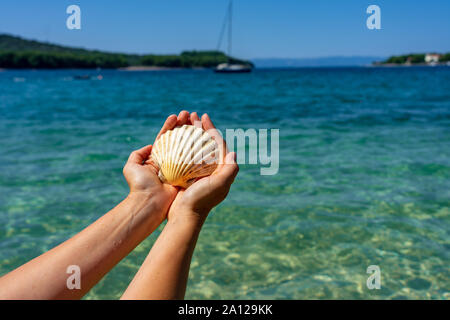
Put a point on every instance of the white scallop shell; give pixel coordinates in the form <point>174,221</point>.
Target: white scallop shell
<point>185,154</point>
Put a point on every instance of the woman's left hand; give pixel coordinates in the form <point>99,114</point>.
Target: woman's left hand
<point>142,174</point>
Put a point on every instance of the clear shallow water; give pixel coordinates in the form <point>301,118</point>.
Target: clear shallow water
<point>364,176</point>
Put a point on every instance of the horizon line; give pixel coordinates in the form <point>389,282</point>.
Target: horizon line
<point>253,58</point>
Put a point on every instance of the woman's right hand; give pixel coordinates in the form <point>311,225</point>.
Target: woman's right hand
<point>197,201</point>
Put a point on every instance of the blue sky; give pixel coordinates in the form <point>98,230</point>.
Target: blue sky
<point>262,28</point>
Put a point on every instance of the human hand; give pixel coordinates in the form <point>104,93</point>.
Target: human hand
<point>142,174</point>
<point>197,201</point>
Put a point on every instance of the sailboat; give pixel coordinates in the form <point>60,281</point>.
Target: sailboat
<point>229,67</point>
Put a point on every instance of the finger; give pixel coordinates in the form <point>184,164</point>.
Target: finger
<point>207,123</point>
<point>170,123</point>
<point>211,129</point>
<point>139,156</point>
<point>229,170</point>
<point>152,164</point>
<point>183,118</point>
<point>195,120</point>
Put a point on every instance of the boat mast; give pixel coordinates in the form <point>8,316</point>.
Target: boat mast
<point>230,16</point>
<point>227,20</point>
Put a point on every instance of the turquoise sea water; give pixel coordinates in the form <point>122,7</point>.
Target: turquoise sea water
<point>364,176</point>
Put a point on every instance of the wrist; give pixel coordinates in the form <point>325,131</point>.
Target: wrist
<point>139,196</point>
<point>140,200</point>
<point>146,204</point>
<point>187,216</point>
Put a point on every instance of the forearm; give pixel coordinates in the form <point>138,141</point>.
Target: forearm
<point>164,273</point>
<point>95,250</point>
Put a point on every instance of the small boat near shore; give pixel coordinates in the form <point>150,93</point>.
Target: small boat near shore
<point>230,67</point>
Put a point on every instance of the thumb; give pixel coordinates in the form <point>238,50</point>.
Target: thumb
<point>139,156</point>
<point>230,168</point>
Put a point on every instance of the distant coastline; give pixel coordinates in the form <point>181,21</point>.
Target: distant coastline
<point>19,53</point>
<point>416,59</point>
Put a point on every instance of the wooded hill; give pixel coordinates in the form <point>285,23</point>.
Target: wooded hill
<point>19,53</point>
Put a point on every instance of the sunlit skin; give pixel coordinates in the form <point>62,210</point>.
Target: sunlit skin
<point>100,246</point>
<point>164,273</point>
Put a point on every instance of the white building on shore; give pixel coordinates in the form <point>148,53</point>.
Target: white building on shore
<point>432,58</point>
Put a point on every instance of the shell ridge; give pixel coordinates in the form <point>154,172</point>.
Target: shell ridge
<point>180,151</point>
<point>201,142</point>
<point>206,150</point>
<point>185,162</point>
